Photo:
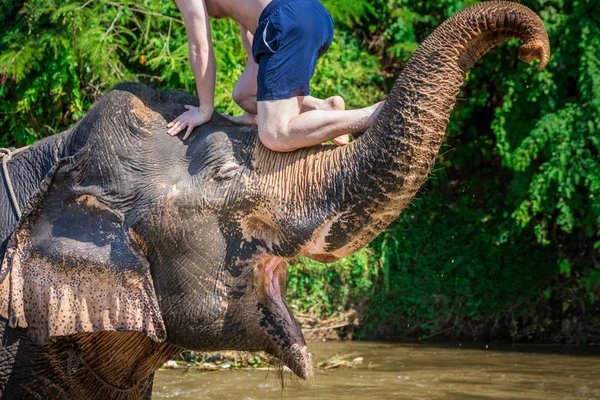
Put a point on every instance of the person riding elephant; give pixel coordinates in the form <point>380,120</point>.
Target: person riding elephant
<point>283,40</point>
<point>118,262</point>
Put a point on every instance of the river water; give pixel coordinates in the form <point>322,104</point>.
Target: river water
<point>409,371</point>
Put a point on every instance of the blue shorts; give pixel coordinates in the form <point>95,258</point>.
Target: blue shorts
<point>291,36</point>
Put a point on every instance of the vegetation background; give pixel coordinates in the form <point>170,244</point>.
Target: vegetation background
<point>503,241</point>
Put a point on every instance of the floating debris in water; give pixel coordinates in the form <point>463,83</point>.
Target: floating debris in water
<point>240,360</point>
<point>339,361</point>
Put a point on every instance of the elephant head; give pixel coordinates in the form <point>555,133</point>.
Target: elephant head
<point>187,241</point>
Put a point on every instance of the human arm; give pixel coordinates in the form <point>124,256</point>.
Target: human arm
<point>202,60</point>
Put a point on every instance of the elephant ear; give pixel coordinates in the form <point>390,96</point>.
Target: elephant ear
<point>75,267</point>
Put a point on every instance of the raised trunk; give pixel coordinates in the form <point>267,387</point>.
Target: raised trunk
<point>381,172</point>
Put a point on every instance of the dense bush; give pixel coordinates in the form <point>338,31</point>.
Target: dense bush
<point>503,242</point>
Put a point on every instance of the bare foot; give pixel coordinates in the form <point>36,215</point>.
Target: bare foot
<point>341,140</point>
<point>337,103</point>
<point>334,103</point>
<point>376,110</point>
<point>310,103</point>
<point>245,119</point>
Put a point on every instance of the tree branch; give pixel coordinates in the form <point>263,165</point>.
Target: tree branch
<point>154,14</point>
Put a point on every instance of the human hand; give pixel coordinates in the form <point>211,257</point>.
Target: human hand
<point>193,117</point>
<point>244,119</point>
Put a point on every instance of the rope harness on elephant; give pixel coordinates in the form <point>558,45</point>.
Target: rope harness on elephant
<point>6,154</point>
<point>75,357</point>
<point>104,382</point>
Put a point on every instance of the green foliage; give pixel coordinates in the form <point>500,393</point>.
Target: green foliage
<point>556,156</point>
<point>454,266</point>
<point>323,289</point>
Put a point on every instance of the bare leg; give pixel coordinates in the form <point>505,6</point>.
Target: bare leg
<point>244,94</point>
<point>310,103</point>
<point>283,127</point>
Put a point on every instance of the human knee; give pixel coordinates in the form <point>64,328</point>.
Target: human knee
<point>240,96</point>
<point>275,139</point>
<point>246,100</point>
<point>244,91</point>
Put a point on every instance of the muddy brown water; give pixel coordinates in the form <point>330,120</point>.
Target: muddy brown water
<point>410,371</point>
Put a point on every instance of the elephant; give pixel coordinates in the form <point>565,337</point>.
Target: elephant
<point>135,245</point>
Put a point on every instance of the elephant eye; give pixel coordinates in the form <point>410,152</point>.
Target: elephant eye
<point>229,170</point>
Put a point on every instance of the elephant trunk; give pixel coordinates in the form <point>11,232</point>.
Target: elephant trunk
<point>380,172</point>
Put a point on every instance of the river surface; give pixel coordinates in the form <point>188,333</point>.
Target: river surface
<point>409,371</point>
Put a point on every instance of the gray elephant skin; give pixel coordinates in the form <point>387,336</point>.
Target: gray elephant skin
<point>135,245</point>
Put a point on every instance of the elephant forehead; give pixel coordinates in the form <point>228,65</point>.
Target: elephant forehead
<point>142,112</point>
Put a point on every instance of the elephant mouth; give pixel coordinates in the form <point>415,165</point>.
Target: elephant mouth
<point>285,333</point>
<point>275,269</point>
